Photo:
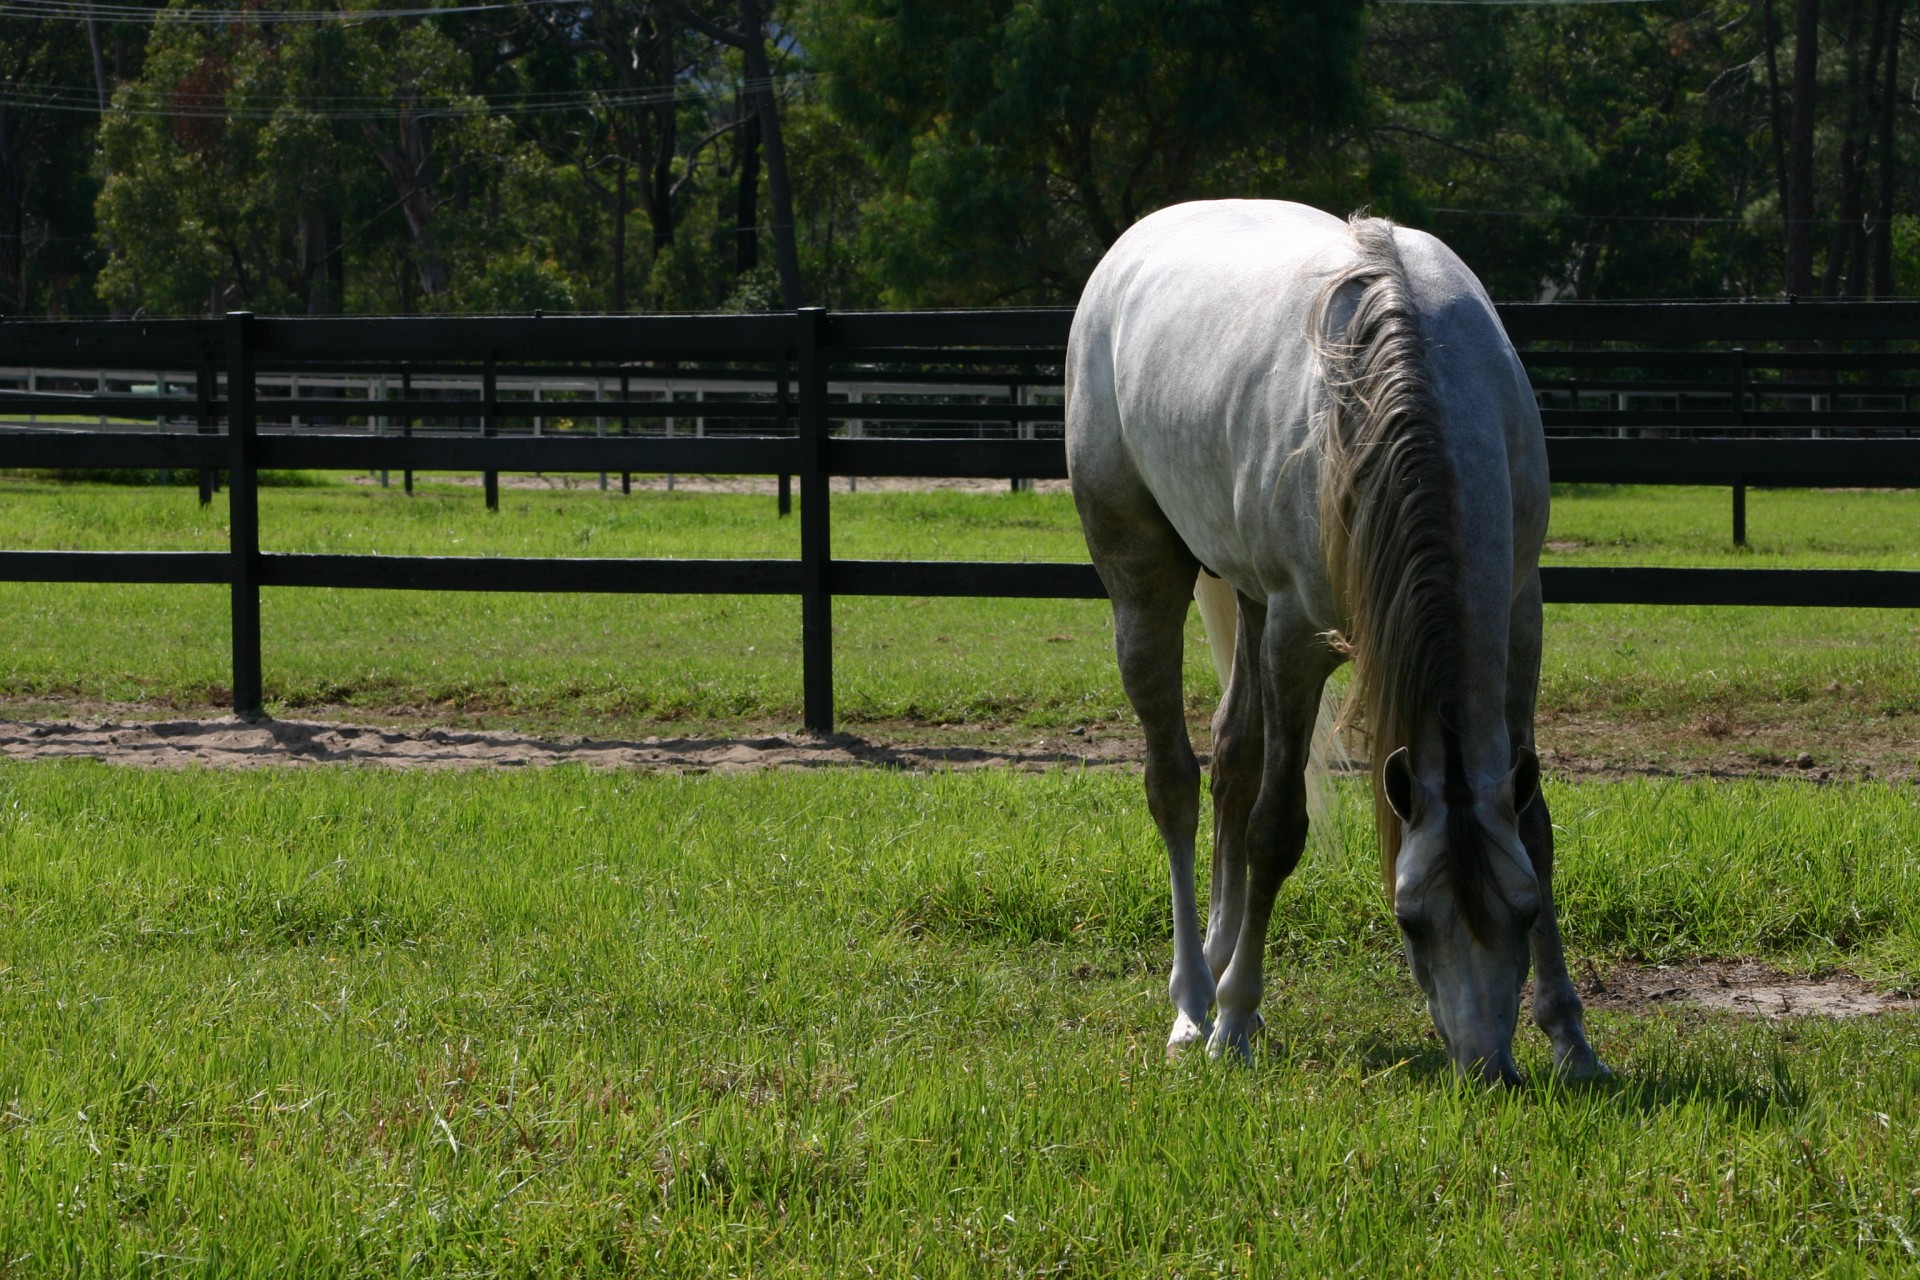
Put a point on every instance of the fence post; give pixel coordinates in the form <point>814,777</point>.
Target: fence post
<point>816,601</point>
<point>490,426</point>
<point>203,391</point>
<point>1022,430</point>
<point>783,489</point>
<point>1739,420</point>
<point>600,422</point>
<point>406,422</point>
<point>626,424</point>
<point>243,521</point>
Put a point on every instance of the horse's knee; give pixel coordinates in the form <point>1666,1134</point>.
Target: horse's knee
<point>1236,766</point>
<point>1282,826</point>
<point>1173,781</point>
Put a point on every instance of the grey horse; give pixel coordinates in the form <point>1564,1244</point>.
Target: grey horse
<point>1319,427</point>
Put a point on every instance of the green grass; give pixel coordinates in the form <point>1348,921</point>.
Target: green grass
<point>360,1023</point>
<point>610,664</point>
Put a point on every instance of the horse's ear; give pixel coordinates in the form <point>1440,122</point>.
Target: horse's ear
<point>1397,777</point>
<point>1525,780</point>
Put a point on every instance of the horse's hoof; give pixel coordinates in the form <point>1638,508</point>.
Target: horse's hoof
<point>1234,1043</point>
<point>1581,1066</point>
<point>1186,1032</point>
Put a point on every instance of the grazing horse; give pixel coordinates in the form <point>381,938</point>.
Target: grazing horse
<point>1319,427</point>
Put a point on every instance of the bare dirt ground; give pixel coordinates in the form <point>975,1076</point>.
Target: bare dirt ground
<point>1851,749</point>
<point>1741,986</point>
<point>1570,747</point>
<point>226,742</point>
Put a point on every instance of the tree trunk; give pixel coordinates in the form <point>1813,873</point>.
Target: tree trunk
<point>1799,192</point>
<point>101,83</point>
<point>319,266</point>
<point>1778,126</point>
<point>1844,258</point>
<point>409,167</point>
<point>746,202</point>
<point>618,302</point>
<point>760,83</point>
<point>1882,237</point>
<point>657,139</point>
<point>13,225</point>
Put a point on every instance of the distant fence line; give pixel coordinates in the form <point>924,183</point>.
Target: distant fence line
<point>1824,399</point>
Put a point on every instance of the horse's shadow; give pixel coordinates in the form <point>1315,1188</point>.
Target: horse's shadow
<point>1646,1093</point>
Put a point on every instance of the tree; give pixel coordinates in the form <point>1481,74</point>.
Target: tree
<point>46,189</point>
<point>749,36</point>
<point>1016,141</point>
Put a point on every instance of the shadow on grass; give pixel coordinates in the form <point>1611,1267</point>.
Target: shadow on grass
<point>1655,1090</point>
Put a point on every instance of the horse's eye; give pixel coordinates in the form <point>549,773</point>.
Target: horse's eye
<point>1410,924</point>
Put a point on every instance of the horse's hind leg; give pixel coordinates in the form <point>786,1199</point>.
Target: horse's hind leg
<point>1556,1006</point>
<point>1239,748</point>
<point>1149,573</point>
<point>1294,665</point>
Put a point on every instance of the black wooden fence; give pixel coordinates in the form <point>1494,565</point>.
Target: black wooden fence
<point>1773,412</point>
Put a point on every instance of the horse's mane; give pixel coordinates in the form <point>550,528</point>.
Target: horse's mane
<point>1390,535</point>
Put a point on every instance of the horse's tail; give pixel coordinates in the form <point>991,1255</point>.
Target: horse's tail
<point>1387,528</point>
<point>1220,618</point>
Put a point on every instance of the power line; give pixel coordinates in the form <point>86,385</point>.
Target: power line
<point>191,105</point>
<point>1699,220</point>
<point>79,11</point>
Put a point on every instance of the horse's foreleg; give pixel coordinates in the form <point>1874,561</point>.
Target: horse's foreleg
<point>1556,1006</point>
<point>1149,637</point>
<point>1239,734</point>
<point>1276,831</point>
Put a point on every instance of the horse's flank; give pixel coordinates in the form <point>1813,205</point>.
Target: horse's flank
<point>1390,535</point>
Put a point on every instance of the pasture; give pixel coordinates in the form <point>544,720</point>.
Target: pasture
<point>365,1023</point>
<point>357,1022</point>
<point>1682,686</point>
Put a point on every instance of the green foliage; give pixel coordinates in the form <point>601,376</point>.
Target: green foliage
<point>516,282</point>
<point>1019,140</point>
<point>608,155</point>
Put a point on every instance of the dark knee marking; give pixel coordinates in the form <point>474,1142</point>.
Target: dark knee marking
<point>1554,1003</point>
<point>1173,783</point>
<point>1236,765</point>
<point>1284,823</point>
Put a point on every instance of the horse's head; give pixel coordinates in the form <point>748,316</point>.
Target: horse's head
<point>1465,894</point>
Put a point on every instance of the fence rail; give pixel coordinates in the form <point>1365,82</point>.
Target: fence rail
<point>1794,430</point>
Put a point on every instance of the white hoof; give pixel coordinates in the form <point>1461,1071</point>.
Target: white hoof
<point>1234,1038</point>
<point>1186,1032</point>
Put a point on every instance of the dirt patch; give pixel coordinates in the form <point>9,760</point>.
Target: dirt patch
<point>233,743</point>
<point>433,738</point>
<point>1741,986</point>
<point>1716,744</point>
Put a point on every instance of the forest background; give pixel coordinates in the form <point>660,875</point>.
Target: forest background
<point>386,157</point>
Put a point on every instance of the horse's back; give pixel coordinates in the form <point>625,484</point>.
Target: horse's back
<point>1190,378</point>
<point>1193,377</point>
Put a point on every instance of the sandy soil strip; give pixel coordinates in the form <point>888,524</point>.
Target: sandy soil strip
<point>123,735</point>
<point>232,743</point>
<point>1741,986</point>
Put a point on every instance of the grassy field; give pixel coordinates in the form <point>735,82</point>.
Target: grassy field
<point>620,665</point>
<point>357,1023</point>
